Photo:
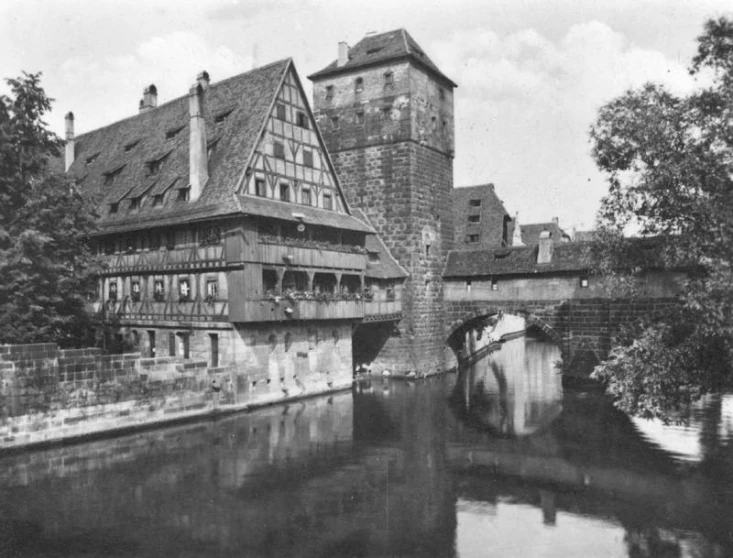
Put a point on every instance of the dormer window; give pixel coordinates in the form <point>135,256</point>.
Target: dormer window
<point>157,200</point>
<point>183,194</point>
<point>374,50</point>
<point>222,116</point>
<point>301,120</point>
<point>91,158</point>
<point>329,92</point>
<point>135,203</point>
<point>280,112</point>
<point>211,149</point>
<point>130,146</point>
<point>388,79</point>
<point>173,132</point>
<point>154,166</point>
<point>109,177</point>
<point>114,207</point>
<point>359,85</point>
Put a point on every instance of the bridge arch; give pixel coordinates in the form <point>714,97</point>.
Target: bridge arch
<point>458,326</point>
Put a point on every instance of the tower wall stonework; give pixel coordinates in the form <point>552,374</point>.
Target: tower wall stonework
<point>392,146</point>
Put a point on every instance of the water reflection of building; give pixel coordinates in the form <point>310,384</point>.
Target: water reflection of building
<point>514,392</point>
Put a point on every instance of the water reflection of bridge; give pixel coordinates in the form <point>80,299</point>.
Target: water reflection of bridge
<point>386,475</point>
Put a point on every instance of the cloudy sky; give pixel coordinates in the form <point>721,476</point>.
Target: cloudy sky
<point>531,74</point>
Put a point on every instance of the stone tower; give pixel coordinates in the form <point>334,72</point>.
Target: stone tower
<point>386,113</point>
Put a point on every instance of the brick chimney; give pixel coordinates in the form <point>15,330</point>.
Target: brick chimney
<point>544,253</point>
<point>203,79</point>
<point>150,98</point>
<point>198,160</point>
<point>343,54</point>
<point>69,140</point>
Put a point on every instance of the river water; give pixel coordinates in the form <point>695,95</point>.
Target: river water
<point>496,461</point>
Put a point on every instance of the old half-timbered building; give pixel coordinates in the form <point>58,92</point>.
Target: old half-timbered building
<point>225,232</point>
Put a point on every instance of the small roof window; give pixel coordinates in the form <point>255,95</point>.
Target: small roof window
<point>91,158</point>
<point>173,132</point>
<point>222,116</point>
<point>130,146</point>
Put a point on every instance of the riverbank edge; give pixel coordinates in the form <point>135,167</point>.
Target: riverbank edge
<point>163,417</point>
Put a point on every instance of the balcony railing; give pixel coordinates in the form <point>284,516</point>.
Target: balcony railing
<point>278,310</point>
<point>310,257</point>
<point>200,257</point>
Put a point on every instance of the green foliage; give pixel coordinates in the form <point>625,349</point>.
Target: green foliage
<point>669,162</point>
<point>46,266</point>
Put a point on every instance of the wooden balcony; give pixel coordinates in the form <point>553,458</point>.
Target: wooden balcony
<point>287,310</point>
<point>204,257</point>
<point>310,257</point>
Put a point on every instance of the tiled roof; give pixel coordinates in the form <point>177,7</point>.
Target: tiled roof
<point>531,232</point>
<point>517,261</point>
<point>265,207</point>
<point>566,257</point>
<point>373,50</point>
<point>387,267</point>
<point>111,163</point>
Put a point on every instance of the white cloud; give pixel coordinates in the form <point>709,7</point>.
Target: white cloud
<point>114,84</point>
<point>533,100</point>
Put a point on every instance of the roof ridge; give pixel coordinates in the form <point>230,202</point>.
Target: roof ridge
<point>178,99</point>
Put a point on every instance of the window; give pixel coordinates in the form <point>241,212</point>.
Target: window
<point>158,290</point>
<point>157,200</point>
<point>278,150</point>
<point>386,113</point>
<point>170,134</point>
<point>284,192</point>
<point>301,120</point>
<point>214,349</point>
<point>280,111</point>
<point>154,166</point>
<point>335,122</point>
<point>327,201</point>
<point>91,158</point>
<point>212,289</point>
<point>112,291</point>
<point>172,344</point>
<point>441,94</point>
<point>583,282</point>
<point>260,187</point>
<point>135,203</point>
<point>434,122</point>
<point>109,177</point>
<point>129,147</point>
<point>135,295</point>
<point>388,79</point>
<point>184,290</point>
<point>151,343</point>
<point>183,194</point>
<point>474,218</point>
<point>359,85</point>
<point>494,285</point>
<point>211,148</point>
<point>308,158</point>
<point>329,92</point>
<point>114,207</point>
<point>210,236</point>
<point>306,196</point>
<point>222,116</point>
<point>472,238</point>
<point>184,344</point>
<point>474,203</point>
<point>360,117</point>
<point>468,286</point>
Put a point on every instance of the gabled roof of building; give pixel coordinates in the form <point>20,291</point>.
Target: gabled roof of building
<point>112,164</point>
<point>492,212</point>
<point>531,232</point>
<point>387,266</point>
<point>374,50</point>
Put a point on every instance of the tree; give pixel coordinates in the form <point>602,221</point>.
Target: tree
<point>46,266</point>
<point>669,162</point>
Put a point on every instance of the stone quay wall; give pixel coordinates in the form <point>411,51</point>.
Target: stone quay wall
<point>48,394</point>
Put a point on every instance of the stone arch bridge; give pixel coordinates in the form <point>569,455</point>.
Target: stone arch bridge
<point>552,288</point>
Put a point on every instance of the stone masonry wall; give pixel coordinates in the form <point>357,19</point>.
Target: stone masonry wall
<point>47,394</point>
